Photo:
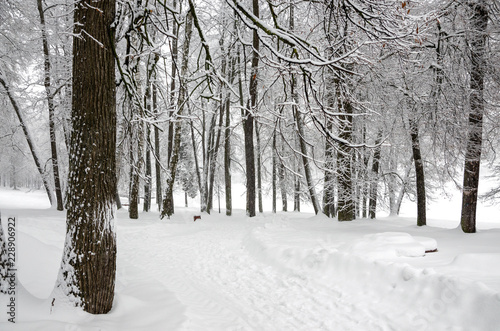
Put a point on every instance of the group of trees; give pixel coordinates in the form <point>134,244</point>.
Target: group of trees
<point>344,103</point>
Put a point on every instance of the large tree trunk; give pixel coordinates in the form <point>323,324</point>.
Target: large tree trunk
<point>249,162</point>
<point>346,209</point>
<point>50,102</point>
<point>248,121</point>
<point>4,262</point>
<point>28,137</point>
<point>87,274</point>
<point>477,42</point>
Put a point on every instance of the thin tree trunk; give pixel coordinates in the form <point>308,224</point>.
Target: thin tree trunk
<point>50,102</point>
<point>419,173</point>
<point>136,142</point>
<point>274,170</point>
<point>372,209</point>
<point>213,157</point>
<point>157,150</point>
<point>296,197</point>
<point>175,55</point>
<point>479,22</point>
<point>329,181</point>
<point>227,158</point>
<point>147,183</point>
<point>259,168</point>
<point>168,202</point>
<point>304,154</point>
<point>28,137</point>
<point>281,174</point>
<point>196,163</point>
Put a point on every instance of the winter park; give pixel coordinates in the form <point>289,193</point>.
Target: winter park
<point>249,165</point>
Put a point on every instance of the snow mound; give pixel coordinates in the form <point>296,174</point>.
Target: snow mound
<point>488,263</point>
<point>389,245</point>
<point>439,302</point>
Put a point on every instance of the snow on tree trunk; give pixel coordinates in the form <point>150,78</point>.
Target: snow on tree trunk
<point>477,44</point>
<point>3,261</point>
<point>87,274</point>
<point>168,201</point>
<point>329,179</point>
<point>372,203</point>
<point>346,208</point>
<point>248,121</point>
<point>157,150</point>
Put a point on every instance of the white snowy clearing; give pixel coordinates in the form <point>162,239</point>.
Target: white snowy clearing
<point>288,271</point>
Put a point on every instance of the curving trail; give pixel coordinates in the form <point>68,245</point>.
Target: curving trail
<point>224,287</point>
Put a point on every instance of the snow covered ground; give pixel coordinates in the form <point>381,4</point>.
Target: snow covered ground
<point>288,271</point>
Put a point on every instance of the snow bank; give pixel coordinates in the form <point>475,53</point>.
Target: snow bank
<point>429,300</point>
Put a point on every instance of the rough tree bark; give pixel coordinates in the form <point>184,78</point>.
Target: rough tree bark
<point>346,208</point>
<point>4,261</point>
<point>248,120</point>
<point>87,274</point>
<point>477,44</point>
<point>329,181</point>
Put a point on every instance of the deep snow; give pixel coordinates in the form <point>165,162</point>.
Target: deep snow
<point>288,271</point>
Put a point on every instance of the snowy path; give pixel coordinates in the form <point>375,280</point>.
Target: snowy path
<point>225,288</point>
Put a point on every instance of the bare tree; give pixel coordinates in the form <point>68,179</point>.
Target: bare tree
<point>50,102</point>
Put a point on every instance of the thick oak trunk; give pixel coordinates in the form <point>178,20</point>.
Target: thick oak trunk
<point>87,274</point>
